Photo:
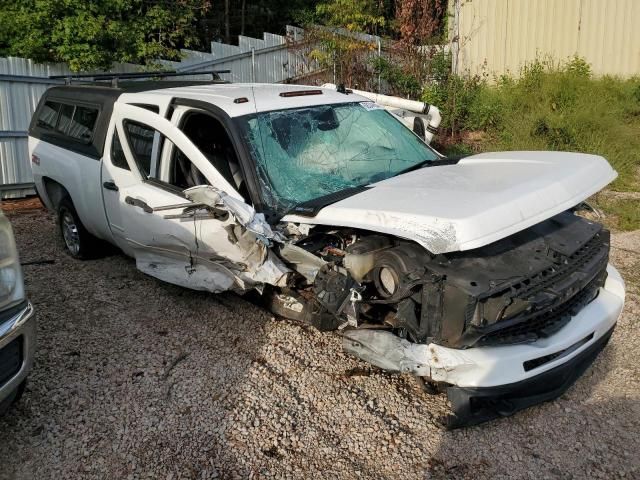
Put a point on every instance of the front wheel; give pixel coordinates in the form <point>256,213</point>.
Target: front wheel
<point>77,240</point>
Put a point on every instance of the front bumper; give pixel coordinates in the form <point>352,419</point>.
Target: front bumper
<point>471,406</point>
<point>17,345</point>
<point>515,372</point>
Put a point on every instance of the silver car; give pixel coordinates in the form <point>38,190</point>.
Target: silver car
<point>17,322</point>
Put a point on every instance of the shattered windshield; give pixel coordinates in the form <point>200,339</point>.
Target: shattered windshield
<point>306,153</point>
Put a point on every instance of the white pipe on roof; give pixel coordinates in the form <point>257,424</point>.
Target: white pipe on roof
<point>400,106</point>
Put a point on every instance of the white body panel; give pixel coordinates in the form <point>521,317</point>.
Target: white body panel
<point>262,97</point>
<point>492,366</point>
<point>80,176</point>
<point>194,252</point>
<point>480,200</point>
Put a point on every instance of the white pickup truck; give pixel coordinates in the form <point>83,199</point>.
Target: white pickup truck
<point>473,274</point>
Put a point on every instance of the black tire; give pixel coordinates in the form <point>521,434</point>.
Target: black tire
<point>78,242</point>
<point>13,397</point>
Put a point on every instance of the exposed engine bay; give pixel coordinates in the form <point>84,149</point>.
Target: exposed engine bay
<point>517,290</point>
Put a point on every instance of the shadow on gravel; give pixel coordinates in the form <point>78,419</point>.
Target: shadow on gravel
<point>589,432</point>
<point>135,377</point>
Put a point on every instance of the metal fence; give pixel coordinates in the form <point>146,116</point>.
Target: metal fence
<point>266,60</point>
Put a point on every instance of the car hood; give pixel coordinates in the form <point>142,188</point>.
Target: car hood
<point>481,199</point>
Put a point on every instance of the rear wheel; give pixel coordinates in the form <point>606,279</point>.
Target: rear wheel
<point>77,240</point>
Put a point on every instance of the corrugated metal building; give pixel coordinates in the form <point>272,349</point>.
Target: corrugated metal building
<point>500,36</point>
<point>18,99</point>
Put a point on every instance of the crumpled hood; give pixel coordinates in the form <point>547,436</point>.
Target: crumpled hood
<point>481,199</point>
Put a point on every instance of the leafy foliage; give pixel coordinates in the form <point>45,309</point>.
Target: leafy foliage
<point>354,15</point>
<point>94,34</point>
<point>337,30</point>
<point>420,21</point>
<point>399,80</point>
<point>336,38</point>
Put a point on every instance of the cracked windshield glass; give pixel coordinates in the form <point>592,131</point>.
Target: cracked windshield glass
<point>307,153</point>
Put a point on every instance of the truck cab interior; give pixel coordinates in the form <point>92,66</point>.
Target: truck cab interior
<point>212,139</point>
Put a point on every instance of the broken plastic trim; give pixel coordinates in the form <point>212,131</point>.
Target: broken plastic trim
<point>392,353</point>
<point>243,213</point>
<point>472,406</point>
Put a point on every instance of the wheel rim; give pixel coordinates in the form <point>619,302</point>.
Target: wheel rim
<point>70,233</point>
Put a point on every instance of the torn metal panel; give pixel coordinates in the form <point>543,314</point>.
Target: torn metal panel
<point>304,262</point>
<point>390,352</point>
<point>271,271</point>
<point>245,214</point>
<point>210,277</point>
<point>226,250</point>
<point>210,272</point>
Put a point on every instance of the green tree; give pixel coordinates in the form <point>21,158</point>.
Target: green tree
<point>354,15</point>
<point>93,34</point>
<point>334,40</point>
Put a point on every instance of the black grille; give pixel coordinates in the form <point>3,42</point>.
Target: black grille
<point>513,290</point>
<point>10,360</point>
<point>566,266</point>
<point>547,322</point>
<point>591,257</point>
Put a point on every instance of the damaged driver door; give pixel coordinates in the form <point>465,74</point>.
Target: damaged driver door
<point>171,237</point>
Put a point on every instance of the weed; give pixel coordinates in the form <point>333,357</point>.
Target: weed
<point>550,106</point>
<point>622,213</point>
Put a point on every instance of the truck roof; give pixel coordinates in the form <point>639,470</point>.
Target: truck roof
<point>235,99</point>
<point>238,99</point>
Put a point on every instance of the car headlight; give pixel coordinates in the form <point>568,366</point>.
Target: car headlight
<point>11,286</point>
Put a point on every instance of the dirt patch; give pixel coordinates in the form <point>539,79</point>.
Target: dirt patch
<point>21,205</point>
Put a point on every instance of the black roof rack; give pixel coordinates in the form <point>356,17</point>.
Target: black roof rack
<point>114,77</point>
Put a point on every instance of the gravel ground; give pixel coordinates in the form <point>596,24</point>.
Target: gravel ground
<point>135,378</point>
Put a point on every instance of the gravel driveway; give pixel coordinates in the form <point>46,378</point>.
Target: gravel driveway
<point>135,378</point>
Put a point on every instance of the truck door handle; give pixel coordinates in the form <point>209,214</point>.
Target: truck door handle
<point>110,185</point>
<point>136,202</point>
